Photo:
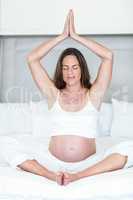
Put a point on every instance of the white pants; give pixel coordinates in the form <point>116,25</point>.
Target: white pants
<point>15,150</point>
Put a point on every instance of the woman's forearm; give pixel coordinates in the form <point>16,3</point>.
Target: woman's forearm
<point>95,47</point>
<point>45,47</point>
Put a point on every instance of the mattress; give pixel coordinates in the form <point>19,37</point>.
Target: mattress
<point>20,185</point>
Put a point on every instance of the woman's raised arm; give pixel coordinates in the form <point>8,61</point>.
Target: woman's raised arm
<point>39,74</point>
<point>104,74</point>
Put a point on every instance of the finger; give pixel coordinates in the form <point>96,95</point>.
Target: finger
<point>68,15</point>
<point>67,19</point>
<point>71,18</point>
<point>67,24</point>
<point>71,12</point>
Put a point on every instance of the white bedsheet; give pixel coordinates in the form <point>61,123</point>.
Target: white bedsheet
<point>109,185</point>
<point>20,185</point>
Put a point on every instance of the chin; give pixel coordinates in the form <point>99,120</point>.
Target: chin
<point>72,83</point>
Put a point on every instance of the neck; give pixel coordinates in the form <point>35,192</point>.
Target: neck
<point>73,88</point>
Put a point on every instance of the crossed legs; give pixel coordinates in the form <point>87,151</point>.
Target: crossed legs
<point>112,162</point>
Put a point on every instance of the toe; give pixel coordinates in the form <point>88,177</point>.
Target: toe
<point>66,179</point>
<point>59,178</point>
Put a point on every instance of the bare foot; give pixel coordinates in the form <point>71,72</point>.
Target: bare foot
<point>66,179</point>
<point>69,178</point>
<point>59,178</point>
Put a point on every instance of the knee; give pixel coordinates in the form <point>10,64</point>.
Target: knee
<point>123,160</point>
<point>120,160</point>
<point>27,164</point>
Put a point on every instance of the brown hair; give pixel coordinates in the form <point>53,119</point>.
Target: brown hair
<point>85,75</point>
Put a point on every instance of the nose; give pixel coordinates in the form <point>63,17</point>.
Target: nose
<point>70,71</point>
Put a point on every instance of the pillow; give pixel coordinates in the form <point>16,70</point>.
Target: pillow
<point>122,125</point>
<point>24,144</point>
<point>40,119</point>
<point>15,117</point>
<point>105,119</point>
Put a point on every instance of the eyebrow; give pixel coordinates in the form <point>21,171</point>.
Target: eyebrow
<point>72,65</point>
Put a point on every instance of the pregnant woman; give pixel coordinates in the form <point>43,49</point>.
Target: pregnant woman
<point>74,105</point>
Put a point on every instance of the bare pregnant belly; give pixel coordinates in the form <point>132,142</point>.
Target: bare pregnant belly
<point>70,148</point>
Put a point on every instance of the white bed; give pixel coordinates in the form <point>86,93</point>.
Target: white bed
<point>16,184</point>
<point>112,185</point>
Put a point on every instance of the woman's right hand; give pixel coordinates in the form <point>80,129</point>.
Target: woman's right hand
<point>72,25</point>
<point>66,30</point>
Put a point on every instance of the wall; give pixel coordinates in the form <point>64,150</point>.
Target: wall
<point>46,17</point>
<point>17,84</point>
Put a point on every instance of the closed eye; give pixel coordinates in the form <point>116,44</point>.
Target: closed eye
<point>75,67</point>
<point>67,67</point>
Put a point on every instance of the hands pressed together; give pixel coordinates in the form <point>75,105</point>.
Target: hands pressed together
<point>69,27</point>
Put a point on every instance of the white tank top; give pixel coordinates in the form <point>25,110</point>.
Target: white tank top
<point>81,123</point>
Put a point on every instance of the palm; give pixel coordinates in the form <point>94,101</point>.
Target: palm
<point>66,31</point>
<point>71,25</point>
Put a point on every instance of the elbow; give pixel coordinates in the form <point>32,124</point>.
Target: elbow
<point>109,55</point>
<point>31,58</point>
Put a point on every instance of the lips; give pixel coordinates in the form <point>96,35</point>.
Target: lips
<point>71,77</point>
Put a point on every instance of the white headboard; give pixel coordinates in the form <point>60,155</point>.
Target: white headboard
<point>46,17</point>
<point>17,85</point>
